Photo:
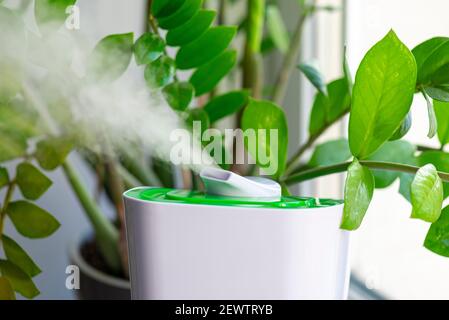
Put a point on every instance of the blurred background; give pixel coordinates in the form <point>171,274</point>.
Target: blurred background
<point>388,260</point>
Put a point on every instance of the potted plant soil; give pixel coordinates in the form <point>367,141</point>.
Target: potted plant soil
<point>49,108</point>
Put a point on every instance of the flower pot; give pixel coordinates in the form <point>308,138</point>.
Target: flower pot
<point>184,246</point>
<point>96,284</point>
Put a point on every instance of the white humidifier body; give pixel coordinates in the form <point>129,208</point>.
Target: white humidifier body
<point>218,245</point>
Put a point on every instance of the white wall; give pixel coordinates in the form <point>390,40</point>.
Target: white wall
<point>387,251</point>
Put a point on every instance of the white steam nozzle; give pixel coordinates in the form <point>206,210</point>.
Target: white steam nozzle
<point>226,183</point>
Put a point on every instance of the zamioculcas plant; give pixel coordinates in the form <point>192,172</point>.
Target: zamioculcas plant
<point>188,37</point>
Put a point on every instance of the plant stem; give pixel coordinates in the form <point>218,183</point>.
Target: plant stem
<point>341,167</point>
<point>290,59</point>
<point>292,164</point>
<point>106,234</point>
<point>6,201</point>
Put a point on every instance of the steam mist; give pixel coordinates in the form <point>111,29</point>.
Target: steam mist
<point>106,118</point>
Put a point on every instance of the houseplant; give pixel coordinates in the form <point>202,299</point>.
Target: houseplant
<point>378,102</point>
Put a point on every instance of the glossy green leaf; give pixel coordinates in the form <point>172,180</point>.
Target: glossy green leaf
<point>32,183</point>
<point>329,153</point>
<point>403,129</point>
<point>347,73</point>
<point>397,152</point>
<point>19,257</point>
<point>277,29</point>
<point>51,13</point>
<point>20,119</point>
<point>179,95</point>
<point>433,125</point>
<point>327,109</point>
<point>180,16</point>
<point>192,29</point>
<point>270,152</point>
<point>111,57</point>
<point>4,177</point>
<point>314,76</point>
<point>440,160</point>
<point>437,239</point>
<point>206,77</point>
<point>30,220</point>
<point>225,105</point>
<point>52,152</point>
<point>427,194</point>
<point>433,62</point>
<point>159,73</point>
<point>12,145</point>
<point>148,48</point>
<point>359,190</point>
<point>6,290</point>
<point>213,42</point>
<point>201,118</point>
<point>442,116</point>
<point>439,93</point>
<point>164,8</point>
<point>19,280</point>
<point>382,96</point>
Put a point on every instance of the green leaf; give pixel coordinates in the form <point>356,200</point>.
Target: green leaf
<point>330,153</point>
<point>403,129</point>
<point>213,42</point>
<point>440,160</point>
<point>148,48</point>
<point>111,57</point>
<point>269,152</point>
<point>327,109</point>
<point>427,194</point>
<point>51,13</point>
<point>30,220</point>
<point>406,180</point>
<point>52,152</point>
<point>159,73</point>
<point>32,183</point>
<point>359,190</point>
<point>433,125</point>
<point>442,116</point>
<point>19,280</point>
<point>4,177</point>
<point>198,115</point>
<point>440,93</point>
<point>277,29</point>
<point>180,16</point>
<point>6,290</point>
<point>19,257</point>
<point>314,76</point>
<point>20,119</point>
<point>192,29</point>
<point>164,8</point>
<point>225,105</point>
<point>179,95</point>
<point>397,152</point>
<point>347,72</point>
<point>433,62</point>
<point>382,96</point>
<point>206,77</point>
<point>12,145</point>
<point>437,239</point>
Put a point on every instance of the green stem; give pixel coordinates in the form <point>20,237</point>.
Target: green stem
<point>292,164</point>
<point>107,235</point>
<point>6,201</point>
<point>290,59</point>
<point>342,167</point>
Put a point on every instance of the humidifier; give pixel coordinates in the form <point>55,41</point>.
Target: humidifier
<point>240,239</point>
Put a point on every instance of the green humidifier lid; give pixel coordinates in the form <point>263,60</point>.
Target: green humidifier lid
<point>168,195</point>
